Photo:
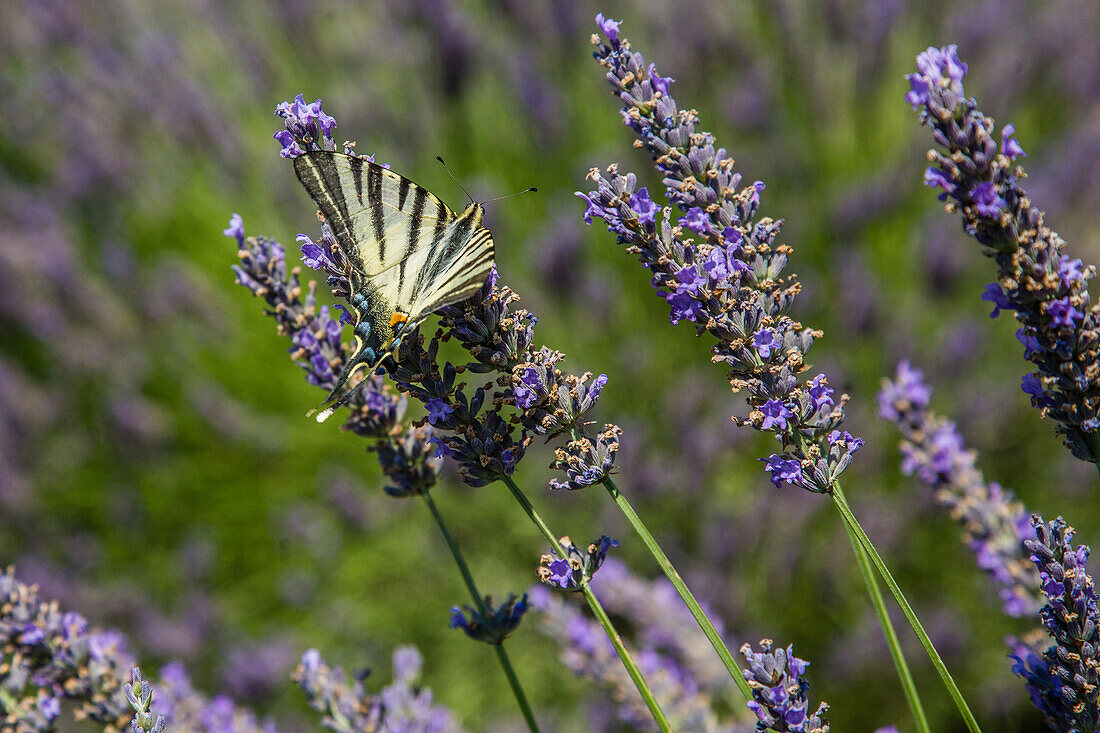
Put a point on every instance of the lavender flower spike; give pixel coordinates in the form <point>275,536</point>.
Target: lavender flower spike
<point>994,523</point>
<point>1065,686</point>
<point>779,691</point>
<point>719,267</point>
<point>1048,291</point>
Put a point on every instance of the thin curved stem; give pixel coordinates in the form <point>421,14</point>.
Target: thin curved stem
<point>933,655</point>
<point>678,583</point>
<point>597,609</point>
<point>900,664</point>
<point>479,602</point>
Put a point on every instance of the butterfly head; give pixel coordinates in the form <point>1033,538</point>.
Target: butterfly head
<point>474,213</point>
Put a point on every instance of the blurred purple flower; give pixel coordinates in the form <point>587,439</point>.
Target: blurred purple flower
<point>994,523</point>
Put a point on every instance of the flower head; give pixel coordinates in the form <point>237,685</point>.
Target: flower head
<point>780,693</point>
<point>496,624</point>
<point>307,127</point>
<point>718,266</point>
<point>1045,289</point>
<point>577,567</point>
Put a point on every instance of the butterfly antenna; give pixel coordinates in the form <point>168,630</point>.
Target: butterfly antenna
<point>517,193</point>
<point>452,175</point>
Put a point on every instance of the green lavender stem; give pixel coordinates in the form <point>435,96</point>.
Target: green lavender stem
<point>681,587</point>
<point>502,656</point>
<point>933,655</point>
<point>598,610</point>
<point>902,667</point>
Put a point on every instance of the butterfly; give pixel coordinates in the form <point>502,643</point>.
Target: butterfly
<point>408,253</point>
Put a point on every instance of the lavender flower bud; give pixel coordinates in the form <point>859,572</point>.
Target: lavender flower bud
<point>326,255</point>
<point>1047,291</point>
<point>379,412</point>
<point>497,625</point>
<point>139,693</point>
<point>410,462</point>
<point>1069,696</point>
<point>779,692</point>
<point>571,572</point>
<point>553,401</point>
<point>50,656</point>
<point>586,463</point>
<point>1043,688</point>
<point>496,336</point>
<point>995,525</point>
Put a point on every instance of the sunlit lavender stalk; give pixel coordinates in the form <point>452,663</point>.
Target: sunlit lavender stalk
<point>720,268</point>
<point>1048,291</point>
<point>994,523</point>
<point>139,693</point>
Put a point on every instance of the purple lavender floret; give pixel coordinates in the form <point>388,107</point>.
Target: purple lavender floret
<point>325,254</point>
<point>1043,688</point>
<point>314,334</point>
<point>307,127</point>
<point>501,339</point>
<point>1046,289</point>
<point>780,696</point>
<point>494,627</point>
<point>185,708</point>
<point>50,655</point>
<point>585,461</point>
<point>572,572</point>
<point>1066,687</point>
<point>483,443</point>
<point>348,708</point>
<point>995,525</point>
<point>719,266</point>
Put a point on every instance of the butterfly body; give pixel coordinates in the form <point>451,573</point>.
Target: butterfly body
<point>408,253</point>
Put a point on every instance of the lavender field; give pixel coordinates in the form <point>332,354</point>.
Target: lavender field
<point>737,347</point>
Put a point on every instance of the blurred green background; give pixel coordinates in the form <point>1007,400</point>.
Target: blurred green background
<point>156,469</point>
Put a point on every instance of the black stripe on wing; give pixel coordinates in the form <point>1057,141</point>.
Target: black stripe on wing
<point>456,274</point>
<point>321,178</point>
<point>335,183</point>
<point>414,239</point>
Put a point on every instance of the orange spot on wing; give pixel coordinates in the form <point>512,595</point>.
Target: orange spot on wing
<point>397,318</point>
